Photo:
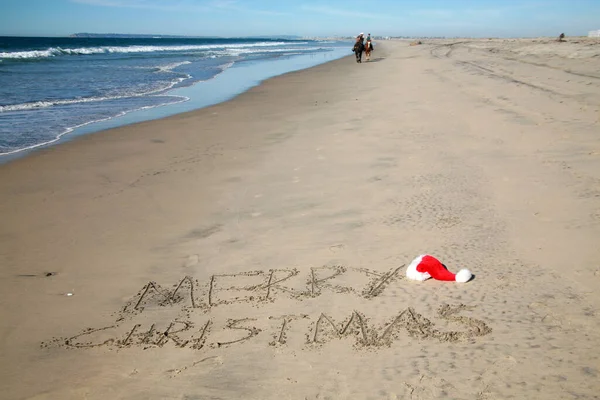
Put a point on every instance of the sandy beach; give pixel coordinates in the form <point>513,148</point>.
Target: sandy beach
<point>257,249</point>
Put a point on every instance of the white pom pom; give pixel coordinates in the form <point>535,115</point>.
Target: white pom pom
<point>464,275</point>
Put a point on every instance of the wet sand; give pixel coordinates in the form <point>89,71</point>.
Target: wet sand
<point>256,249</point>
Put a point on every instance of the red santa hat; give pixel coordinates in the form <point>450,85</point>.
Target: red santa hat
<point>426,266</point>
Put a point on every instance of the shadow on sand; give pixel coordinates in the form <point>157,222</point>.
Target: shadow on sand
<point>375,60</point>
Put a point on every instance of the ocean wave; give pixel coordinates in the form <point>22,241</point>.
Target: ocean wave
<point>282,50</point>
<point>238,52</point>
<point>224,67</point>
<point>50,103</point>
<point>57,51</point>
<point>171,67</point>
<point>57,137</point>
<point>72,128</point>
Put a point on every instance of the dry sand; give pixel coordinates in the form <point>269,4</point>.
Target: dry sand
<point>256,249</point>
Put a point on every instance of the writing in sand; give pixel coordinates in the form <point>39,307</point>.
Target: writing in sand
<point>181,316</point>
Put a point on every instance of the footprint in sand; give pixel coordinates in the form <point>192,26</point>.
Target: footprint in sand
<point>201,366</point>
<point>545,314</point>
<point>336,247</point>
<point>426,387</point>
<point>493,375</point>
<point>333,385</point>
<point>192,260</point>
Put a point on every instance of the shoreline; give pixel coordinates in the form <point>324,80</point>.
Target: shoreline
<point>265,239</point>
<point>244,76</point>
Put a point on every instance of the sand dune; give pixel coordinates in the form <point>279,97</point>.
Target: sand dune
<point>256,249</point>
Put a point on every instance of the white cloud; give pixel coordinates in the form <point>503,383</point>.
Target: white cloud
<point>234,5</point>
<point>485,13</point>
<point>467,17</point>
<point>181,5</point>
<point>228,4</point>
<point>338,12</point>
<point>474,13</point>
<point>149,4</point>
<point>433,13</point>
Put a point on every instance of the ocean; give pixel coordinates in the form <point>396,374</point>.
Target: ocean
<point>52,88</point>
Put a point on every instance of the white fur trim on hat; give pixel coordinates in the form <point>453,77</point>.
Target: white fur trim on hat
<point>412,273</point>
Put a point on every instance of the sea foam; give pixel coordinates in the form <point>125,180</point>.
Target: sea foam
<point>57,51</point>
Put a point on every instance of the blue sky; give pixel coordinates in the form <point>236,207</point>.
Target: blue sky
<point>306,18</point>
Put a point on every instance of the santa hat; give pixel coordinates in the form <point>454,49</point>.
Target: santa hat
<point>426,266</point>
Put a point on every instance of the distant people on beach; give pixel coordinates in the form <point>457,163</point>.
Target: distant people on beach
<point>359,47</point>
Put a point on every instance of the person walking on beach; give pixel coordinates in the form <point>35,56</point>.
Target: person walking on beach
<point>359,47</point>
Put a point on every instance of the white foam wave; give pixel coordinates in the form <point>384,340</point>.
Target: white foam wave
<point>71,129</point>
<point>282,50</point>
<point>57,51</point>
<point>239,52</point>
<point>171,67</point>
<point>44,104</point>
<point>29,54</point>
<point>222,67</point>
